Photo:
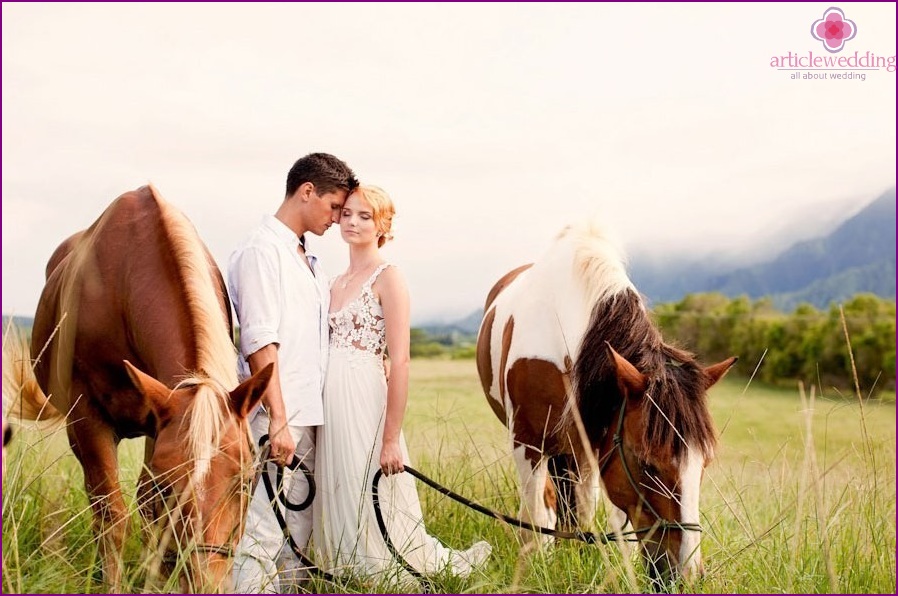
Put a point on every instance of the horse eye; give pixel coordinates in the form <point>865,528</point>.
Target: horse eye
<point>164,494</point>
<point>163,488</point>
<point>648,469</point>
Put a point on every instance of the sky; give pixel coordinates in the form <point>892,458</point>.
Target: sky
<point>491,126</point>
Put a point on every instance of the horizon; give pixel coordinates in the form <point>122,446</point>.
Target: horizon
<point>723,265</point>
<point>726,264</point>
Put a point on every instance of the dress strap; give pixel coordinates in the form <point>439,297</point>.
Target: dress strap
<point>374,275</point>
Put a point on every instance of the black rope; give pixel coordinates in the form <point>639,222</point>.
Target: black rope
<point>587,537</point>
<point>278,496</point>
<point>279,480</point>
<point>426,583</point>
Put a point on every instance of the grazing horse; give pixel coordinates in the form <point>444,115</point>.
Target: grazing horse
<point>571,362</point>
<point>134,331</point>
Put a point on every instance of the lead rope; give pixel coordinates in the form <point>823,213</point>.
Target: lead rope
<point>588,537</point>
<point>278,496</point>
<point>426,583</point>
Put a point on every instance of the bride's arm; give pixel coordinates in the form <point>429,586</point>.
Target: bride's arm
<point>391,289</point>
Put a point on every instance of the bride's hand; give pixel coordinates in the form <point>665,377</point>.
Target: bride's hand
<point>391,459</point>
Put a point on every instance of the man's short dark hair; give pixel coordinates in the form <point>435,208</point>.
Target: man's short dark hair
<point>325,171</point>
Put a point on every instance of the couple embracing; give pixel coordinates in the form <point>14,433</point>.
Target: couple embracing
<point>330,404</point>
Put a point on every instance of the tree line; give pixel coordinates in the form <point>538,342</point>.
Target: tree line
<point>807,344</point>
<point>455,345</point>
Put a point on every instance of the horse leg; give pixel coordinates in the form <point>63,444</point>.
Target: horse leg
<point>538,499</point>
<point>96,447</point>
<point>145,482</point>
<point>146,495</point>
<point>619,522</point>
<point>586,492</point>
<point>563,474</point>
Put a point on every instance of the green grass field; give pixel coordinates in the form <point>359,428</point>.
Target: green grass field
<point>801,499</point>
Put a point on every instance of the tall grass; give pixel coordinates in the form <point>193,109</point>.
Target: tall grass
<point>800,499</point>
<point>49,543</point>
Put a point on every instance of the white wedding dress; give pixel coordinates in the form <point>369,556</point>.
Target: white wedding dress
<point>346,535</point>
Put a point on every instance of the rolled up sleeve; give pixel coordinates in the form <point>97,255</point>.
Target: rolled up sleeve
<point>255,286</point>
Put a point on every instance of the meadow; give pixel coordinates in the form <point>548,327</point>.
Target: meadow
<point>800,499</point>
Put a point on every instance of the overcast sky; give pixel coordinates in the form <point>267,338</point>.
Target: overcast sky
<point>491,125</point>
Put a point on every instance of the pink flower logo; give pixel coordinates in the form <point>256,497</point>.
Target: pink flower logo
<point>834,29</point>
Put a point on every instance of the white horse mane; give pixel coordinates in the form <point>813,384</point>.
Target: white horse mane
<point>599,259</point>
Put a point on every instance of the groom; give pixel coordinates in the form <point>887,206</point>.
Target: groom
<point>281,299</point>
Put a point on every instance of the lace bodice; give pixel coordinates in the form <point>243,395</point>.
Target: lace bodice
<point>360,324</point>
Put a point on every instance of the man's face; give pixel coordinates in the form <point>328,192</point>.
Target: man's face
<point>325,210</point>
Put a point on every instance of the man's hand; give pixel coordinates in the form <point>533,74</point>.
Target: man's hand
<point>282,446</point>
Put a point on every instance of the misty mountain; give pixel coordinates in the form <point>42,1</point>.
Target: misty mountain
<point>857,256</point>
<point>466,326</point>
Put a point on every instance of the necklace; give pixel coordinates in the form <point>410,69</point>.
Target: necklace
<point>348,277</point>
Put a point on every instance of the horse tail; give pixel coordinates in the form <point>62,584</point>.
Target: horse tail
<point>26,399</point>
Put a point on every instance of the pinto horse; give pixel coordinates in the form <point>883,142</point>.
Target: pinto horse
<point>572,364</point>
<point>134,329</point>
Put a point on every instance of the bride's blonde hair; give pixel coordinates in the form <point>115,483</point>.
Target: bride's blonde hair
<point>381,209</point>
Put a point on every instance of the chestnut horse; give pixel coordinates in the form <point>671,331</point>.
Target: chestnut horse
<point>571,363</point>
<point>134,329</point>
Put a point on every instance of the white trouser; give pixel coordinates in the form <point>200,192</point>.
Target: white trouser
<point>264,561</point>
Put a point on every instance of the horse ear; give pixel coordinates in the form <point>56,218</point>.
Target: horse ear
<point>627,376</point>
<point>155,392</point>
<point>246,396</point>
<point>715,372</point>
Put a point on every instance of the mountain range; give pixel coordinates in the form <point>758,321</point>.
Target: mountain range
<point>857,256</point>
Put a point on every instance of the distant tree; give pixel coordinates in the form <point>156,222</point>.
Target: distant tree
<point>806,344</point>
<point>422,345</point>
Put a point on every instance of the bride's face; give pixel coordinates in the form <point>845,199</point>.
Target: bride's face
<point>357,221</point>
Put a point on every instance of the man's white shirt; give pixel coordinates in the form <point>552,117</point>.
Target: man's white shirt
<point>279,300</point>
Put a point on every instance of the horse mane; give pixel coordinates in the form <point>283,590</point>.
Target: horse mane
<point>208,415</point>
<point>216,355</point>
<point>599,260</point>
<point>674,407</point>
<point>680,410</point>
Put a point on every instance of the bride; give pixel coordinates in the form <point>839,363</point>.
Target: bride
<point>363,412</point>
